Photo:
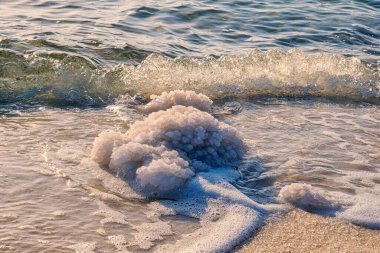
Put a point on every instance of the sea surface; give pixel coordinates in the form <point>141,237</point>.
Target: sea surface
<point>300,80</point>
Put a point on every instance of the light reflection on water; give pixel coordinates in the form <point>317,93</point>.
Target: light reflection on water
<point>195,28</point>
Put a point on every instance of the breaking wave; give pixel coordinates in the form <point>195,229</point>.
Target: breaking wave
<point>69,78</point>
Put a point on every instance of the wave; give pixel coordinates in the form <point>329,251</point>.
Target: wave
<point>70,78</point>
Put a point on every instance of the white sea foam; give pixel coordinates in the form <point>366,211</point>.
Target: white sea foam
<point>365,209</point>
<point>177,97</point>
<point>119,242</point>
<point>227,216</point>
<point>86,247</point>
<point>147,233</point>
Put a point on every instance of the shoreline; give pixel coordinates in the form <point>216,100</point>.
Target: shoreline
<point>299,231</point>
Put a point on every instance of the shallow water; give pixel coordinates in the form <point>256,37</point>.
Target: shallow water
<point>309,115</point>
<point>53,191</point>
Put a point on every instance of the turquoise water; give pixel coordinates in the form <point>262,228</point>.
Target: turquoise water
<point>299,80</point>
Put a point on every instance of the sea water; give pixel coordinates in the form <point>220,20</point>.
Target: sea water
<point>220,114</point>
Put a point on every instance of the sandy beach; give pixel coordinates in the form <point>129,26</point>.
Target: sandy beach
<point>300,231</point>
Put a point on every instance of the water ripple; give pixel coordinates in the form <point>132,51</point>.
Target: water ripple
<point>200,28</point>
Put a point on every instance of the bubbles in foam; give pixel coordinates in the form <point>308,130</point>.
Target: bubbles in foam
<point>226,215</point>
<point>161,152</point>
<point>119,242</point>
<point>307,197</point>
<point>149,232</point>
<point>365,209</point>
<point>177,97</point>
<point>86,247</point>
<point>110,215</point>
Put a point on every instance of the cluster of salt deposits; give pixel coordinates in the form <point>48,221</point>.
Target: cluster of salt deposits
<point>307,197</point>
<point>178,97</point>
<point>161,152</point>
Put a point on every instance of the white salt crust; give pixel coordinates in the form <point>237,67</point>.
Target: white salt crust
<point>185,154</point>
<point>307,197</point>
<point>103,146</point>
<point>177,97</point>
<point>161,152</point>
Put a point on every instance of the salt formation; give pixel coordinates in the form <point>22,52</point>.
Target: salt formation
<point>177,97</point>
<point>161,152</point>
<point>103,146</point>
<point>153,167</point>
<point>306,197</point>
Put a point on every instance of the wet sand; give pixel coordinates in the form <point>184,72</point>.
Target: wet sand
<point>300,231</point>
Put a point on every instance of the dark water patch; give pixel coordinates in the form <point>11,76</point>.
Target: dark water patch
<point>46,4</point>
<point>145,12</point>
<point>127,54</point>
